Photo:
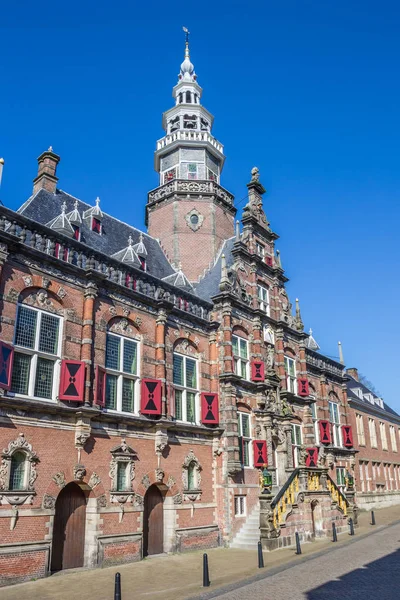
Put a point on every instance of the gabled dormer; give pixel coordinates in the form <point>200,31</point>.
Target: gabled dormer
<point>93,218</point>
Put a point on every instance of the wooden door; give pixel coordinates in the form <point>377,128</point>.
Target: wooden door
<point>69,529</point>
<point>153,522</point>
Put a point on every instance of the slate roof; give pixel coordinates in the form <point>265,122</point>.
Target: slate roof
<point>353,384</point>
<point>44,207</point>
<point>208,286</point>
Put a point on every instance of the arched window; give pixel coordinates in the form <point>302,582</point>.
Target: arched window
<point>17,471</point>
<point>188,98</point>
<point>192,477</point>
<point>180,98</point>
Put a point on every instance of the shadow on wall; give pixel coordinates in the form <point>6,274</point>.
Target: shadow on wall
<point>378,579</point>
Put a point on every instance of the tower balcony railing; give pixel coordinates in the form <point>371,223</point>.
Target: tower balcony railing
<point>189,135</point>
<point>187,186</point>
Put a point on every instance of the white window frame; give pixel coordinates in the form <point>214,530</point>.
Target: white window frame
<point>382,431</point>
<point>297,435</point>
<point>185,389</point>
<point>247,440</point>
<point>269,336</point>
<point>314,412</point>
<point>34,353</point>
<point>239,502</point>
<point>334,419</point>
<point>393,440</point>
<point>291,379</point>
<point>263,298</point>
<point>241,365</point>
<point>360,429</point>
<point>372,433</point>
<point>121,375</point>
<point>260,250</point>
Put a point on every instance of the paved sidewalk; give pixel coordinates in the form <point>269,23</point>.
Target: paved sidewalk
<point>178,577</point>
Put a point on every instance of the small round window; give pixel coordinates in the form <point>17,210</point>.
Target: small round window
<point>194,219</point>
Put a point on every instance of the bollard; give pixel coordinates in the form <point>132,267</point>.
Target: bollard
<point>334,534</point>
<point>298,547</point>
<point>351,525</point>
<point>372,518</point>
<point>206,577</point>
<point>117,592</point>
<point>260,556</point>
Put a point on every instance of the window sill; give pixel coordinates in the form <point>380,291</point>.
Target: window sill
<point>18,497</point>
<point>11,394</point>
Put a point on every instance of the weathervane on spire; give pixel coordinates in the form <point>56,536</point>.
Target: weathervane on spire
<point>187,32</point>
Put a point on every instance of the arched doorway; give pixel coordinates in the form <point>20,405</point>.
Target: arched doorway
<point>153,522</point>
<point>69,529</point>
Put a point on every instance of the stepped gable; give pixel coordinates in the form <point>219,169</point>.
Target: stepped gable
<point>208,286</point>
<point>44,207</point>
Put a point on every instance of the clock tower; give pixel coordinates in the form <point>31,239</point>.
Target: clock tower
<point>189,212</point>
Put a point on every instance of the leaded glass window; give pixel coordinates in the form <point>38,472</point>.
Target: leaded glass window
<point>185,388</point>
<point>240,351</point>
<point>122,476</point>
<point>244,438</point>
<point>291,381</point>
<point>192,484</point>
<point>122,373</point>
<point>37,346</point>
<point>17,471</point>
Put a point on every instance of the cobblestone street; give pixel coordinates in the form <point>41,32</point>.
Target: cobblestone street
<point>367,568</point>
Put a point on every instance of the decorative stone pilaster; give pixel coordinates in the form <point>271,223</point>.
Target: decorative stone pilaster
<point>269,533</point>
<point>161,320</point>
<point>90,295</point>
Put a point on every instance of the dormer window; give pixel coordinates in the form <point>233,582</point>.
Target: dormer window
<point>260,249</point>
<point>96,225</point>
<point>142,263</point>
<point>77,233</point>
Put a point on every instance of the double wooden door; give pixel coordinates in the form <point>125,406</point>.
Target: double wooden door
<point>69,529</point>
<point>153,522</point>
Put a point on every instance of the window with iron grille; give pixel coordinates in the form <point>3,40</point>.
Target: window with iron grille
<point>122,476</point>
<point>185,388</point>
<point>121,373</point>
<point>244,429</point>
<point>240,350</point>
<point>17,471</point>
<point>37,342</point>
<point>291,381</point>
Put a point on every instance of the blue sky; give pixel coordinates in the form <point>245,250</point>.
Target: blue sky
<point>307,91</point>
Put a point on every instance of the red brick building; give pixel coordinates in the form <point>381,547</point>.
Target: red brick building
<point>146,379</point>
<point>377,440</point>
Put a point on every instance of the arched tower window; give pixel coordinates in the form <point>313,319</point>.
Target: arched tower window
<point>180,98</point>
<point>188,98</point>
<point>17,471</point>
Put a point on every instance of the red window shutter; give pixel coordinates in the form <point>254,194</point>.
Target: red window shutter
<point>347,436</point>
<point>72,381</point>
<point>100,391</point>
<point>209,408</point>
<point>257,370</point>
<point>151,397</point>
<point>260,453</point>
<point>77,234</point>
<point>268,260</point>
<point>57,250</point>
<point>65,254</point>
<point>312,457</point>
<point>96,225</point>
<point>325,432</point>
<point>6,363</point>
<point>302,387</point>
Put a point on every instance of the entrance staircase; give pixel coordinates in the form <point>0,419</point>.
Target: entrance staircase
<point>249,534</point>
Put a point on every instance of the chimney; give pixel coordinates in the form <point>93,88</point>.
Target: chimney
<point>46,178</point>
<point>353,372</point>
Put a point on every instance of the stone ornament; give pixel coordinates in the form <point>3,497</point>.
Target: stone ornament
<point>59,479</point>
<point>194,219</point>
<point>159,473</point>
<point>171,481</point>
<point>101,501</point>
<point>146,481</point>
<point>122,454</point>
<point>177,498</point>
<point>193,494</point>
<point>79,472</point>
<point>94,480</point>
<point>49,502</point>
